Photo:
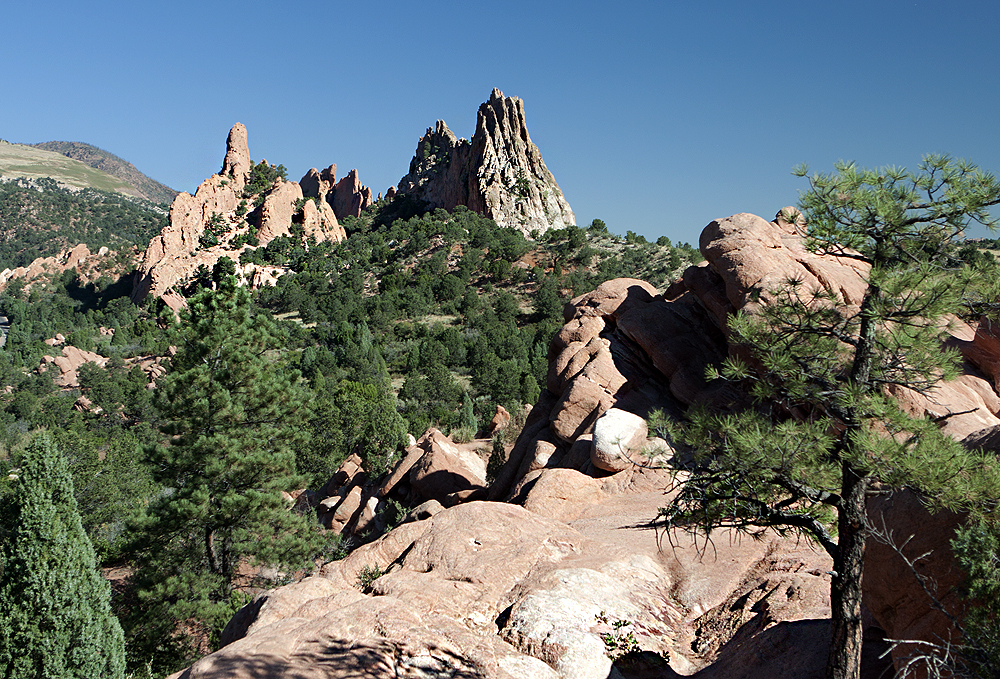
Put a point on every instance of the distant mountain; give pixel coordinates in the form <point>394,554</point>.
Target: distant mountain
<point>147,188</point>
<point>20,160</point>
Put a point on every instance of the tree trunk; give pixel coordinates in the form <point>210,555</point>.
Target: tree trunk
<point>213,558</point>
<point>845,590</point>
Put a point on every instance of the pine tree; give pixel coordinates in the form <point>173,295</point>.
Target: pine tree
<point>823,429</point>
<point>55,611</point>
<point>233,415</point>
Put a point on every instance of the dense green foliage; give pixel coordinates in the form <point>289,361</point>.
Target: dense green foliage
<point>977,546</point>
<point>233,414</point>
<point>417,319</point>
<point>814,438</point>
<point>39,218</point>
<point>55,613</point>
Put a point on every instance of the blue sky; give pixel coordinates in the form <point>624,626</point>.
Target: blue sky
<point>654,116</point>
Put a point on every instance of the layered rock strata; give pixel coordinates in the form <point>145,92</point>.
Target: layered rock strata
<point>499,173</point>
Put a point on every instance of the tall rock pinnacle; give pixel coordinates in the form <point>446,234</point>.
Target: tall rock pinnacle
<point>499,174</point>
<point>237,163</point>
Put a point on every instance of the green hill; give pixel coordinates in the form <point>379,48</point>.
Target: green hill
<point>40,217</point>
<point>147,188</point>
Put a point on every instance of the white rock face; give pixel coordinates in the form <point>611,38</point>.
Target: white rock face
<point>619,438</point>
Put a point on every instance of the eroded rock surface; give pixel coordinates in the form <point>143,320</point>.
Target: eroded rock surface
<point>526,587</point>
<point>220,206</point>
<point>499,173</point>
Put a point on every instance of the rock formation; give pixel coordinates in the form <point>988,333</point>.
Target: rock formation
<point>78,258</point>
<point>348,197</point>
<point>533,583</point>
<point>173,256</point>
<point>499,174</point>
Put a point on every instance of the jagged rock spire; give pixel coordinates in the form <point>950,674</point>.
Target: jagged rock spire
<point>499,174</point>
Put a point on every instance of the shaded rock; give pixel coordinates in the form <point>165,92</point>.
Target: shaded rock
<point>350,197</point>
<point>892,591</point>
<point>445,469</point>
<point>610,299</point>
<point>424,510</point>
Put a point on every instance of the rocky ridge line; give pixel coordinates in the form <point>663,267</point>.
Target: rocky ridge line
<point>174,256</point>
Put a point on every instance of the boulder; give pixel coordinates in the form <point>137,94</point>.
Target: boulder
<point>619,440</point>
<point>498,423</point>
<point>581,403</point>
<point>445,469</point>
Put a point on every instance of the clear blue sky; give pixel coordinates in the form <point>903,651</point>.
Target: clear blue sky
<point>654,116</point>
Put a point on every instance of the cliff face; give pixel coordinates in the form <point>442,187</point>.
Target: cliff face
<point>499,173</point>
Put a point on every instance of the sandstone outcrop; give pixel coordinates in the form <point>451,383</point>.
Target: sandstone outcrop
<point>527,586</point>
<point>220,205</point>
<point>69,362</point>
<point>493,590</point>
<point>78,258</point>
<point>660,346</point>
<point>499,173</point>
<point>348,197</point>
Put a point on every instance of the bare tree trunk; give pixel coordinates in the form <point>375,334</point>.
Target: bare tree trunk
<point>845,590</point>
<point>213,558</point>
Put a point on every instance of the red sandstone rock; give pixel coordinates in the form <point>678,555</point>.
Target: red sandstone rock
<point>69,362</point>
<point>499,422</point>
<point>350,197</point>
<point>892,592</point>
<point>176,253</point>
<point>444,469</point>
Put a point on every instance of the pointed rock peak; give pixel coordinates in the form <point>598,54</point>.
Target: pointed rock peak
<point>237,162</point>
<point>350,196</point>
<point>441,130</point>
<point>499,173</point>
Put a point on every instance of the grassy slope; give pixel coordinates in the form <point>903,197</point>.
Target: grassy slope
<point>17,160</point>
<point>104,161</point>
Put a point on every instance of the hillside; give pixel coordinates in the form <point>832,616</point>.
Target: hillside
<point>19,160</point>
<point>147,188</point>
<point>40,218</point>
